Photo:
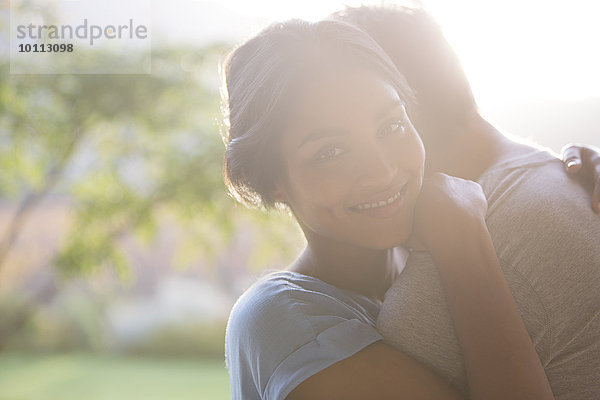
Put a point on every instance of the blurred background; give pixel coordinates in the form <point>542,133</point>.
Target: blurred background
<point>120,252</point>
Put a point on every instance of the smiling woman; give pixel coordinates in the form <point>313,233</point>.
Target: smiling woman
<point>318,120</point>
<point>357,179</point>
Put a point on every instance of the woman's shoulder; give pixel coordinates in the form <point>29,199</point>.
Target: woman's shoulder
<point>270,295</point>
<point>265,309</point>
<point>276,285</point>
<point>293,306</point>
<point>287,321</point>
<point>285,295</point>
<point>273,290</point>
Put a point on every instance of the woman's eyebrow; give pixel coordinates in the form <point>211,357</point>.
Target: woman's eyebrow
<point>320,134</point>
<point>384,111</point>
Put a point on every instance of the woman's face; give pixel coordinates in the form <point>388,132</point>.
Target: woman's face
<point>353,161</point>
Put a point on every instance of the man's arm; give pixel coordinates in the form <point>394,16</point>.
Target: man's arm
<point>500,359</point>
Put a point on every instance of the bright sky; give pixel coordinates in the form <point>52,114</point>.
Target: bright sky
<point>512,50</point>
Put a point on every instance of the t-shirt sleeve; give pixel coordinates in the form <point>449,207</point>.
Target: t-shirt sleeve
<point>278,336</point>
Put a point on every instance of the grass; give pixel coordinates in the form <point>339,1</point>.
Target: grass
<point>77,376</point>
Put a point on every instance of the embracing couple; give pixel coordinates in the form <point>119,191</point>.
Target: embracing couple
<point>442,261</point>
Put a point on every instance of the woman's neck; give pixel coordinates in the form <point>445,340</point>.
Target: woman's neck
<point>364,271</point>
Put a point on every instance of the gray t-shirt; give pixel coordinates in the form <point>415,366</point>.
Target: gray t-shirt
<point>547,240</point>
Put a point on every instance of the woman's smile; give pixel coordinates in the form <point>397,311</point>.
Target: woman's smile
<point>383,205</point>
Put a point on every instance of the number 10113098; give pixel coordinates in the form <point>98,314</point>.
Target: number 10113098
<point>46,48</point>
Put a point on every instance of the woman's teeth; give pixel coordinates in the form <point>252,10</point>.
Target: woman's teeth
<point>381,203</point>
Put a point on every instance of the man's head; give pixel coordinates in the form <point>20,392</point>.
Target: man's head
<point>415,43</point>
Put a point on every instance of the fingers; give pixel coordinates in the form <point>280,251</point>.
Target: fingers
<point>584,160</point>
<point>596,191</point>
<point>596,195</point>
<point>591,161</point>
<point>571,156</point>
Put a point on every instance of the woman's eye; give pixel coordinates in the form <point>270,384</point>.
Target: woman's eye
<point>394,126</point>
<point>329,153</point>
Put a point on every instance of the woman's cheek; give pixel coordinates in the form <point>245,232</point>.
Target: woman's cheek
<point>315,186</point>
<point>334,174</point>
<point>415,155</point>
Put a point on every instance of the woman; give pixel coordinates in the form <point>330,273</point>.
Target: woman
<point>318,123</point>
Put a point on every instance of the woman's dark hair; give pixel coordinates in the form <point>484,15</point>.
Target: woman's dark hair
<point>261,75</point>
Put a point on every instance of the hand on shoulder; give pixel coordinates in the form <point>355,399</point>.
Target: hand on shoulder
<point>449,210</point>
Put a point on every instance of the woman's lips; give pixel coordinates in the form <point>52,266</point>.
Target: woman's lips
<point>384,207</point>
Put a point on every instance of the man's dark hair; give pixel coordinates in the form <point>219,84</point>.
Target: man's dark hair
<point>416,44</point>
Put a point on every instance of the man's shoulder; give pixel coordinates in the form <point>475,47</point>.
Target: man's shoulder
<point>522,174</point>
<point>542,224</point>
<point>535,191</point>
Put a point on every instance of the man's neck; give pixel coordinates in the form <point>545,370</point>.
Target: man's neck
<point>473,150</point>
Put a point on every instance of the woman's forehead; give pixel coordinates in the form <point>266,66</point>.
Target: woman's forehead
<point>338,102</point>
<point>332,91</point>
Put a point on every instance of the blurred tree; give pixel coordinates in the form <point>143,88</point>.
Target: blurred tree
<point>122,149</point>
<point>119,145</point>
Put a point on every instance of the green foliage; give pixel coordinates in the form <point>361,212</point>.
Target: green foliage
<point>74,322</point>
<point>123,148</point>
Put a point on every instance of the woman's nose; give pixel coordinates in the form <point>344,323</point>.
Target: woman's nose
<point>376,168</point>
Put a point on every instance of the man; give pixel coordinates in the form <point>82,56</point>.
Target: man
<point>546,236</point>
